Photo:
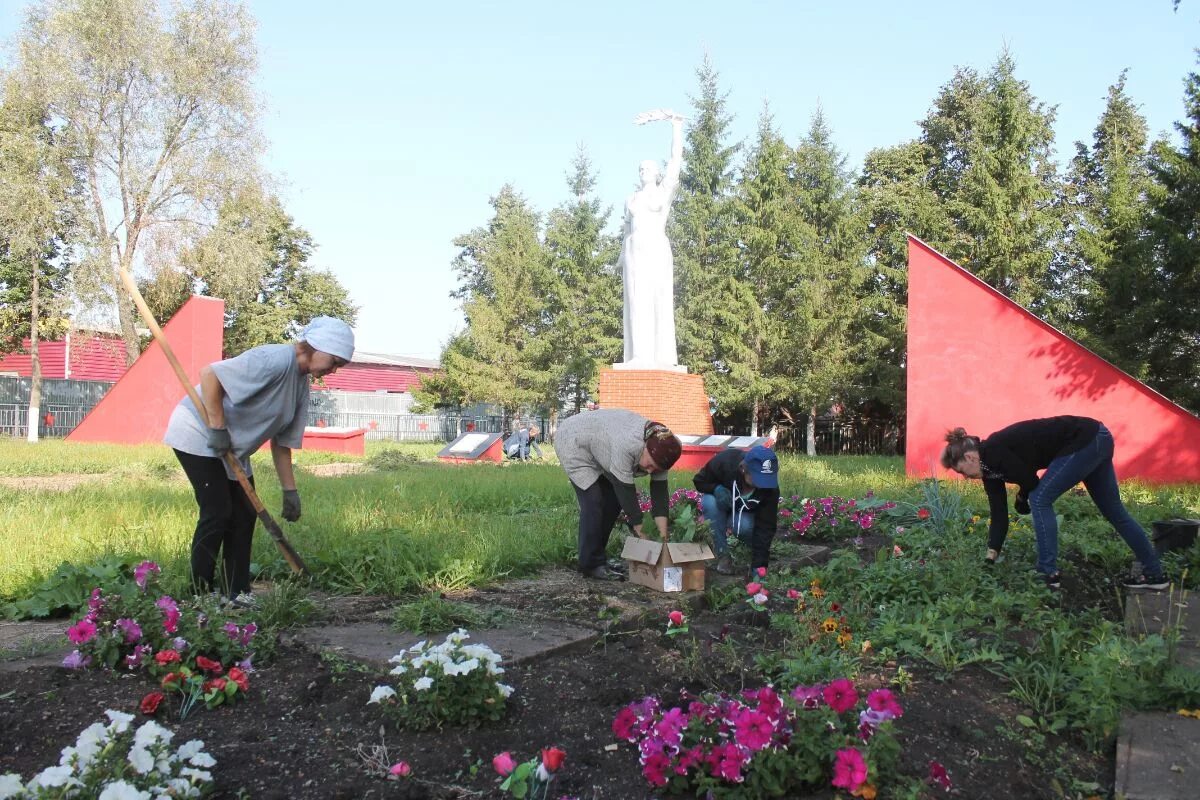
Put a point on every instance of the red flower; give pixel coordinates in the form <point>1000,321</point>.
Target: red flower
<point>215,683</point>
<point>793,594</point>
<point>150,703</point>
<point>922,513</point>
<point>676,618</point>
<point>208,665</point>
<point>165,657</point>
<point>753,588</point>
<point>239,677</point>
<point>834,607</point>
<point>552,758</point>
<point>939,777</point>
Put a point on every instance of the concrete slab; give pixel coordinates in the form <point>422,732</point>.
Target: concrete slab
<point>376,642</point>
<point>1158,757</point>
<point>1156,612</point>
<point>32,643</point>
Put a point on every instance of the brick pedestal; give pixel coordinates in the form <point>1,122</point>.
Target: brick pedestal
<point>676,399</point>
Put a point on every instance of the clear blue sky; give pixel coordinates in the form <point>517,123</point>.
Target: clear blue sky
<point>392,123</point>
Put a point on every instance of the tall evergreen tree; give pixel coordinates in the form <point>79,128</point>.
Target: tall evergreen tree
<point>585,297</point>
<point>1107,272</point>
<point>895,198</point>
<point>1173,351</point>
<point>990,144</point>
<point>819,360</point>
<point>703,237</point>
<point>504,355</point>
<point>772,233</point>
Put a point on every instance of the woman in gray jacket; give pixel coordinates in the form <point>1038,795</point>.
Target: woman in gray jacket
<point>602,452</point>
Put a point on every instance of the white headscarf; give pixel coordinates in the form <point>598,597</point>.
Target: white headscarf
<point>330,335</point>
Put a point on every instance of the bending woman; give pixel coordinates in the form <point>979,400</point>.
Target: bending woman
<point>259,395</point>
<point>602,452</point>
<point>1070,449</point>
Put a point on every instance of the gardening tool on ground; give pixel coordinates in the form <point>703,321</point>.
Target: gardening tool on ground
<point>289,553</point>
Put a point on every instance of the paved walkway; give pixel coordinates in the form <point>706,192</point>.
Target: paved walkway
<point>1158,753</point>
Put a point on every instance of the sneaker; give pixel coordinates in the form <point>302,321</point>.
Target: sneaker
<point>601,573</point>
<point>1054,580</point>
<point>1147,583</point>
<point>991,558</point>
<point>725,564</point>
<point>244,600</point>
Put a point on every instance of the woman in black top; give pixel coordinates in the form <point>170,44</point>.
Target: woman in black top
<point>1070,449</point>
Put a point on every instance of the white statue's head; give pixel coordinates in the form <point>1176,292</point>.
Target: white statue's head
<point>648,170</point>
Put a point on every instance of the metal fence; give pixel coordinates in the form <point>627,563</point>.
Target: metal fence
<point>64,405</point>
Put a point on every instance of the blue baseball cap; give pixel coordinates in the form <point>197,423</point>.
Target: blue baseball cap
<point>763,467</point>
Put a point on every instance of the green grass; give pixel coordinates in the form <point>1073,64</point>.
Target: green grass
<point>418,526</point>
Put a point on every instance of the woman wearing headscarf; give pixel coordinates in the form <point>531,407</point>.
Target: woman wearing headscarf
<point>602,452</point>
<point>257,396</point>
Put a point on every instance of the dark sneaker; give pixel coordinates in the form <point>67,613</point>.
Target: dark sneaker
<point>1054,580</point>
<point>1146,583</point>
<point>725,564</point>
<point>601,573</point>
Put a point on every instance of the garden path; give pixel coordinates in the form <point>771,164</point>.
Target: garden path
<point>1158,754</point>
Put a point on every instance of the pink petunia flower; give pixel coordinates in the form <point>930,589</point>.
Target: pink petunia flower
<point>849,769</point>
<point>82,632</point>
<point>840,695</point>
<point>401,769</point>
<point>884,700</point>
<point>753,588</point>
<point>130,628</point>
<point>143,571</point>
<point>753,730</point>
<point>807,696</point>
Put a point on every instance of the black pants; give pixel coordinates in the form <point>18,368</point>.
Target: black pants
<point>598,512</point>
<point>226,523</point>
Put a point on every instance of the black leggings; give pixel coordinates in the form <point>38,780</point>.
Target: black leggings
<point>226,523</point>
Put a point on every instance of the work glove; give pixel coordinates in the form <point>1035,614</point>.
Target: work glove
<point>1022,504</point>
<point>219,441</point>
<point>291,505</point>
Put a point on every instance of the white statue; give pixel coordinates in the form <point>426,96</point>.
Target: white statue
<point>646,261</point>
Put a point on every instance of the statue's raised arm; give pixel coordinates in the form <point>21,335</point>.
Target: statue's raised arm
<point>670,178</point>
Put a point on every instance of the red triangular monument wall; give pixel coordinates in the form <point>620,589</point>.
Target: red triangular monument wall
<point>137,407</point>
<point>979,360</point>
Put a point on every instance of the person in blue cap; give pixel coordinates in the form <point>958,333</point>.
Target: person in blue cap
<point>257,396</point>
<point>739,495</point>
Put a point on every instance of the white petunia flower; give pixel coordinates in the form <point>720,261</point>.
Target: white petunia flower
<point>141,759</point>
<point>10,785</point>
<point>381,693</point>
<point>189,749</point>
<point>399,669</point>
<point>150,733</point>
<point>468,666</point>
<point>760,599</point>
<point>196,775</point>
<point>123,791</point>
<point>202,760</point>
<point>493,669</point>
<point>505,690</point>
<point>423,683</point>
<point>53,776</point>
<point>119,721</point>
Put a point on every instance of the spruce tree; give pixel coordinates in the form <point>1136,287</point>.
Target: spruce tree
<point>1173,351</point>
<point>704,241</point>
<point>585,309</point>
<point>1107,272</point>
<point>504,355</point>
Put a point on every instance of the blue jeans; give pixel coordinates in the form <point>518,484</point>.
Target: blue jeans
<point>717,509</point>
<point>1093,465</point>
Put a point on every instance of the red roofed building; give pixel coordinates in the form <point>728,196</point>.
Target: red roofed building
<point>377,372</point>
<point>80,356</point>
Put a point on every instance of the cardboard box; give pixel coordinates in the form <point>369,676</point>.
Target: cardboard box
<point>674,567</point>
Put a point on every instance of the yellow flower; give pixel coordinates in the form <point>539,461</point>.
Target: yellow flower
<point>844,639</point>
<point>829,625</point>
<point>1194,713</point>
<point>866,792</point>
<point>818,592</point>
